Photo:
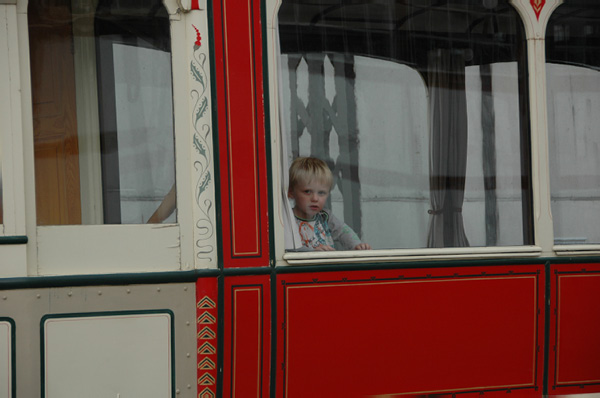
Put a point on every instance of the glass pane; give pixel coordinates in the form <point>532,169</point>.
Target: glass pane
<point>420,112</point>
<point>1,200</point>
<point>573,93</point>
<point>103,112</point>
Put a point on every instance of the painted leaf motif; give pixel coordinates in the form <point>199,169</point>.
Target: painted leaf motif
<point>196,74</point>
<point>204,184</point>
<point>199,146</point>
<point>201,109</point>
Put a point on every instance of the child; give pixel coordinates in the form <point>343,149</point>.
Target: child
<point>310,183</point>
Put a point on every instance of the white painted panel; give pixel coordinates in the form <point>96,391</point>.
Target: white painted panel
<point>13,261</point>
<point>117,356</point>
<point>5,360</point>
<point>99,249</point>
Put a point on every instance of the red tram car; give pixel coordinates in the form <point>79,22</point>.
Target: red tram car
<point>149,246</point>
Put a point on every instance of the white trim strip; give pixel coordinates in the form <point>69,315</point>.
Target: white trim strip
<point>296,258</point>
<point>569,250</point>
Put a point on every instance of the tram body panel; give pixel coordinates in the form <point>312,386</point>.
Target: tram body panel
<point>245,321</point>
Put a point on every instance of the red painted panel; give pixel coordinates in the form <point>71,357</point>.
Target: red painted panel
<point>388,333</point>
<point>241,122</point>
<point>574,363</point>
<point>206,324</point>
<point>247,336</point>
<point>537,6</point>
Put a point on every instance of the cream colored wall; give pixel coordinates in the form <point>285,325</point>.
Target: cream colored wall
<point>28,307</point>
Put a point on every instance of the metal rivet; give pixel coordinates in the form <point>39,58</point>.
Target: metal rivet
<point>177,391</point>
<point>38,295</point>
<point>70,294</point>
<point>4,297</point>
<point>99,292</point>
<point>187,354</point>
<point>185,289</point>
<point>189,386</point>
<point>128,291</point>
<point>158,289</point>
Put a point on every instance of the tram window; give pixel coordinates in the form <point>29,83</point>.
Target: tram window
<point>420,110</point>
<point>3,89</point>
<point>573,95</point>
<point>102,112</point>
<point>1,200</point>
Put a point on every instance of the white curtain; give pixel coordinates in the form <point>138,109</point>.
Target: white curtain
<point>291,234</point>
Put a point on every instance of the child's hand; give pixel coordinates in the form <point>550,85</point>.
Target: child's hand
<point>362,246</point>
<point>324,248</point>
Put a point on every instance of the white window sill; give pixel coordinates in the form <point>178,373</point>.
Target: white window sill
<point>571,250</point>
<point>455,253</point>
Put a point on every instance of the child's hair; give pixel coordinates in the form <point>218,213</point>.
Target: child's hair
<point>305,169</point>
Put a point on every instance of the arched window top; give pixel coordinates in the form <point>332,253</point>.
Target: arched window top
<point>143,19</point>
<point>573,34</point>
<point>402,31</point>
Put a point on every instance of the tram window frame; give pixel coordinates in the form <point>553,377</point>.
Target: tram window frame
<point>571,60</point>
<point>119,248</point>
<point>12,212</point>
<point>280,175</point>
<point>5,113</point>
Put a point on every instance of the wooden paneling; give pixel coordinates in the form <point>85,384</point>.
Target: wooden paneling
<point>574,360</point>
<point>241,129</point>
<point>247,336</point>
<point>54,115</point>
<point>430,331</point>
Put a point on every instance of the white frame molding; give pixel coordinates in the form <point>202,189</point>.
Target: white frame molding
<point>98,249</point>
<point>13,258</point>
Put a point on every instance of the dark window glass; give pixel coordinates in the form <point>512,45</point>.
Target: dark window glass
<point>420,110</point>
<point>102,111</point>
<point>573,94</point>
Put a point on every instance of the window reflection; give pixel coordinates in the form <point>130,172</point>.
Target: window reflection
<point>102,109</point>
<point>1,200</point>
<point>420,111</point>
<point>573,94</point>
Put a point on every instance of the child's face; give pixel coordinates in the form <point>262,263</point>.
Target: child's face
<point>310,198</point>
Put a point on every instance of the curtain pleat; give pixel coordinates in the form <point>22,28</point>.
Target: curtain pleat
<point>448,147</point>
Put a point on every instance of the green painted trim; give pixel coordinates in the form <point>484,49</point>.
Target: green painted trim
<point>546,365</point>
<point>13,355</point>
<point>101,314</point>
<point>247,271</point>
<point>215,134</point>
<point>13,240</point>
<point>30,282</point>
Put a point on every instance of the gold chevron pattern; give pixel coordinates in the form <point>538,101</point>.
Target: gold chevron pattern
<point>206,303</point>
<point>537,6</point>
<point>206,333</point>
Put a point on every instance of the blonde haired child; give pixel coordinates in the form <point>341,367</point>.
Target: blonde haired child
<point>310,184</point>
